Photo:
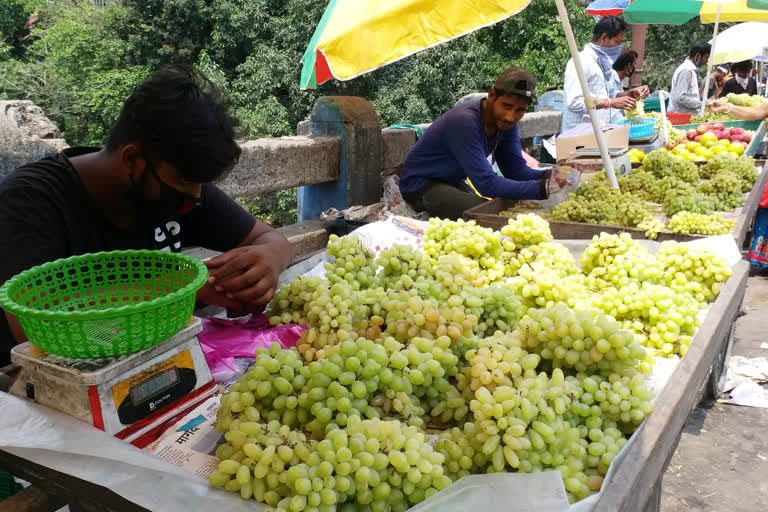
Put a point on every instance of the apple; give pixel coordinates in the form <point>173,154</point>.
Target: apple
<point>691,134</point>
<point>735,138</point>
<point>719,126</point>
<point>723,136</point>
<point>737,131</point>
<point>702,128</point>
<point>708,137</point>
<point>697,138</point>
<point>746,137</point>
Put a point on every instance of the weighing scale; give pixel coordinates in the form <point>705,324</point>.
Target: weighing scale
<point>134,397</point>
<point>588,159</point>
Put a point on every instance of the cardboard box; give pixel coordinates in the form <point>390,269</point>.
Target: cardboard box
<point>566,145</point>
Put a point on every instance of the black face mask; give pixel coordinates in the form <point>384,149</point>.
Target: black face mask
<point>169,204</point>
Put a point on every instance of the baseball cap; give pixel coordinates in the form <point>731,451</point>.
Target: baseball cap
<point>517,80</point>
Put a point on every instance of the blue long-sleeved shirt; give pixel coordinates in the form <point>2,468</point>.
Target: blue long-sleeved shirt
<point>455,147</point>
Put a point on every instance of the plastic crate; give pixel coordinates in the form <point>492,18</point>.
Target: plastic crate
<point>653,105</point>
<point>678,117</point>
<point>640,129</point>
<point>107,303</point>
<point>747,125</point>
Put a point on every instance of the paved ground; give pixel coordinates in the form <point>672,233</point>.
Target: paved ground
<point>721,463</point>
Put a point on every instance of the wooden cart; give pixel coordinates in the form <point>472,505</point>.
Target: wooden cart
<point>635,487</point>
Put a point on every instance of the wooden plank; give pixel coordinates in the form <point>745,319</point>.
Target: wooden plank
<point>32,499</point>
<point>747,217</point>
<point>633,483</point>
<point>83,495</point>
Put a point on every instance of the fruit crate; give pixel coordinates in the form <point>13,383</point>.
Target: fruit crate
<point>758,127</point>
<point>489,215</point>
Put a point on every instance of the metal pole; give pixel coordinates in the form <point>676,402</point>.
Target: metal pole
<point>663,105</point>
<point>589,101</point>
<point>709,64</point>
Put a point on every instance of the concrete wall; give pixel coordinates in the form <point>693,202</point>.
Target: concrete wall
<point>267,165</point>
<point>341,143</point>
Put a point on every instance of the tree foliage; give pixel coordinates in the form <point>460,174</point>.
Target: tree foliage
<point>80,62</point>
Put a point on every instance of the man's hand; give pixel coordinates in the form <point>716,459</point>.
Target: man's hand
<point>623,102</point>
<point>247,276</point>
<point>639,93</point>
<point>556,183</point>
<point>718,106</point>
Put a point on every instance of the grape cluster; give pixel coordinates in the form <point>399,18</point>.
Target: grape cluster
<point>724,188</point>
<point>527,229</point>
<point>695,270</point>
<point>689,223</point>
<point>663,163</point>
<point>595,203</point>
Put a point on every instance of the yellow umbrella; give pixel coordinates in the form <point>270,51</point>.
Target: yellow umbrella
<point>358,36</point>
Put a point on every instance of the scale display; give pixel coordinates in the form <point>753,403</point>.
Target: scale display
<point>154,385</point>
<point>155,388</point>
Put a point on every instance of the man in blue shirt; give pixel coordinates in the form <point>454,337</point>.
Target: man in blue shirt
<point>465,142</point>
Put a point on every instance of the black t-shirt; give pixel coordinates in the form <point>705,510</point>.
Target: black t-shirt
<point>46,214</point>
<point>733,86</point>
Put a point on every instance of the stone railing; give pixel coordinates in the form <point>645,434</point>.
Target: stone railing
<point>339,158</point>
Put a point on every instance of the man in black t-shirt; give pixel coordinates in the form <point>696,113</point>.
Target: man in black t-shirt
<point>147,188</point>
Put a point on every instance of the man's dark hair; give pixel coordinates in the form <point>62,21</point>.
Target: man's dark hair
<point>609,25</point>
<point>700,47</point>
<point>745,65</point>
<point>625,59</point>
<point>178,116</point>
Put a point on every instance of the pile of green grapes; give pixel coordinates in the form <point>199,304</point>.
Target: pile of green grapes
<point>483,352</point>
<point>670,182</point>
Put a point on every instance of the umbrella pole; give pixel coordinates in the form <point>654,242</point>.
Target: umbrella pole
<point>709,64</point>
<point>663,105</point>
<point>589,101</point>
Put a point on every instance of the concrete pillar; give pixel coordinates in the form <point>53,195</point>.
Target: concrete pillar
<point>638,44</point>
<point>355,122</point>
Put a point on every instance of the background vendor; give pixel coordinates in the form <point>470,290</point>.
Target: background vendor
<point>147,188</point>
<point>463,144</point>
<point>742,82</point>
<point>597,59</point>
<point>684,93</point>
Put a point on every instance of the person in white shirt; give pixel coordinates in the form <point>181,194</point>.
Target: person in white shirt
<point>685,95</point>
<point>597,59</point>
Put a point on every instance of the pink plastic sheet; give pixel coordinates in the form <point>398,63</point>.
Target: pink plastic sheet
<point>223,341</point>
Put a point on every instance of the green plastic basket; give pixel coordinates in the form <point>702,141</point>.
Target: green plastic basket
<point>107,303</point>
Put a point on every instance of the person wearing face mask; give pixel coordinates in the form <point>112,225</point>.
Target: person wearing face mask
<point>597,59</point>
<point>717,81</point>
<point>149,187</point>
<point>464,143</point>
<point>742,82</point>
<point>684,94</point>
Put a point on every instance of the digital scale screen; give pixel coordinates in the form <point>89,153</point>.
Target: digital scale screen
<point>156,384</point>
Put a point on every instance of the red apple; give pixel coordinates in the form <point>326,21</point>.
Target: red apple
<point>746,137</point>
<point>697,138</point>
<point>737,131</point>
<point>702,129</point>
<point>723,135</point>
<point>719,126</point>
<point>735,138</point>
<point>691,134</point>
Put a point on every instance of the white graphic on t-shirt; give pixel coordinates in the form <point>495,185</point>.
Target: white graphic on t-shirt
<point>172,230</point>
